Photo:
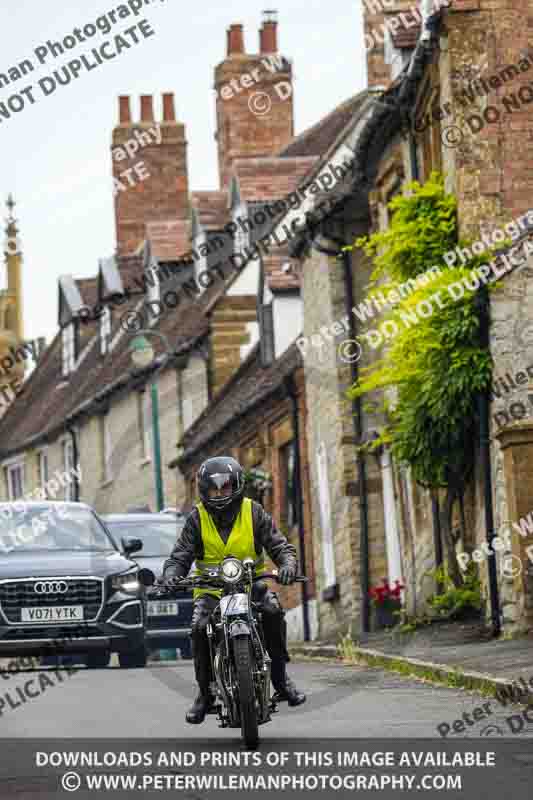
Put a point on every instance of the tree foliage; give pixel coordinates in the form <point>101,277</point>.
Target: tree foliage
<point>432,370</point>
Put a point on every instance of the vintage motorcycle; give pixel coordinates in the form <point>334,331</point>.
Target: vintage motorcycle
<point>239,660</point>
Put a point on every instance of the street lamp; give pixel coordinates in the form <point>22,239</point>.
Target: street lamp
<point>142,355</point>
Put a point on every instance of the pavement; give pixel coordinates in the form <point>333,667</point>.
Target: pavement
<point>462,655</point>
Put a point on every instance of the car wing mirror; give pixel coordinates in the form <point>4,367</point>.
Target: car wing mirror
<point>130,545</point>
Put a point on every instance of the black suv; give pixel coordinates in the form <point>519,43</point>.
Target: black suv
<point>169,621</point>
<point>66,588</point>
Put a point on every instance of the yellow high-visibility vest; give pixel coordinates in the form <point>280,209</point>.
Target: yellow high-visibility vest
<point>240,543</point>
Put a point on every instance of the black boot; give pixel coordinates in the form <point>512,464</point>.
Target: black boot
<point>285,688</point>
<point>202,704</point>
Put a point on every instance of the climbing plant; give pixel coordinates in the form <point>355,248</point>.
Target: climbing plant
<point>432,370</point>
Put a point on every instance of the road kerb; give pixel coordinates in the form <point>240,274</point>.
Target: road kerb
<point>442,674</point>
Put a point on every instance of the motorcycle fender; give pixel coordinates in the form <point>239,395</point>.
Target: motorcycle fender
<point>239,628</point>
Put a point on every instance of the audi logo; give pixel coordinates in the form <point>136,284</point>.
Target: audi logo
<point>50,587</point>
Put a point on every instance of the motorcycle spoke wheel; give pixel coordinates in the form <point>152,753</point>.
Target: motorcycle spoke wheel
<point>245,682</point>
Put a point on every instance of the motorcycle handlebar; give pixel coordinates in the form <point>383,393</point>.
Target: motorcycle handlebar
<point>208,583</point>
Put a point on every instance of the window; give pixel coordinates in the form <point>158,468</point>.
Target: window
<point>288,484</point>
<point>105,330</point>
<point>43,470</point>
<point>144,419</point>
<point>15,481</point>
<point>69,341</point>
<point>68,467</point>
<point>106,448</point>
<point>266,334</point>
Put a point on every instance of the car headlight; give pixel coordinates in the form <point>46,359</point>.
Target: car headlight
<point>232,570</point>
<point>127,581</point>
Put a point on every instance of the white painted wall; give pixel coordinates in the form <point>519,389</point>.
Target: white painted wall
<point>392,534</point>
<point>248,280</point>
<point>295,624</point>
<point>253,329</point>
<point>288,321</point>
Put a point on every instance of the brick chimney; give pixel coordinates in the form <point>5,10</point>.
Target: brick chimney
<point>246,84</point>
<point>374,41</point>
<point>155,149</point>
<point>398,18</point>
<point>268,35</point>
<point>235,40</point>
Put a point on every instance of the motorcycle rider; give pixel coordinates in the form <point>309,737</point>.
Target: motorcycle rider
<point>226,523</point>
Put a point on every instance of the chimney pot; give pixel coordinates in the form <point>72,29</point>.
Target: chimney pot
<point>169,113</point>
<point>235,40</point>
<point>124,112</point>
<point>268,35</point>
<point>147,108</point>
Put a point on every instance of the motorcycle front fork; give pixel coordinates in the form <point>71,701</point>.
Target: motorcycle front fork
<point>224,699</point>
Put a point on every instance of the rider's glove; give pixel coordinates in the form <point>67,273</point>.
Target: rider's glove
<point>171,581</point>
<point>287,573</point>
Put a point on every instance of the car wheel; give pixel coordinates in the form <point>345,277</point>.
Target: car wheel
<point>134,659</point>
<point>97,660</point>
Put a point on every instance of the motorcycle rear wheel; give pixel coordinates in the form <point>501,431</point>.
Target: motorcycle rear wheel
<point>243,667</point>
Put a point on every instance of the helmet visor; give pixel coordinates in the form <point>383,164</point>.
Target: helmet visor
<point>219,485</point>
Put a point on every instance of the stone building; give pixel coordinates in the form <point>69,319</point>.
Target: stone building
<point>454,96</point>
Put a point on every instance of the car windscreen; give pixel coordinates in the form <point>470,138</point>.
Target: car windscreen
<point>158,537</point>
<point>51,528</point>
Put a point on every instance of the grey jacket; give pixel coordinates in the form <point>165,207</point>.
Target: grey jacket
<point>189,547</point>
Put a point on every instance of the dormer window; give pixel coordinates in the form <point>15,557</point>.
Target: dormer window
<point>105,331</point>
<point>69,336</point>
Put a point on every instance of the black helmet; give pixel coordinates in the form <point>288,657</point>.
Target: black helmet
<point>216,473</point>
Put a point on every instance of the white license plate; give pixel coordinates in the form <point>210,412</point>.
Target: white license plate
<point>159,609</point>
<point>52,614</point>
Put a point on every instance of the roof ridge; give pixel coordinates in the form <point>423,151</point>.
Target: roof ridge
<point>322,121</point>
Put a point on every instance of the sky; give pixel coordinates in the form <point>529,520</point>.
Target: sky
<point>55,155</point>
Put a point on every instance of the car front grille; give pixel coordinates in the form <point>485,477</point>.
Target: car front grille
<point>86,592</point>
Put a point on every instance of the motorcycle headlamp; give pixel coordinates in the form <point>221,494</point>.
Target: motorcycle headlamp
<point>232,570</point>
<point>127,581</point>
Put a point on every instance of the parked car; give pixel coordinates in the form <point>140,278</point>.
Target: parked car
<point>65,587</point>
<point>169,621</point>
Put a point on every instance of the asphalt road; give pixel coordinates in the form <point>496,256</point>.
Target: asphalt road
<point>343,701</point>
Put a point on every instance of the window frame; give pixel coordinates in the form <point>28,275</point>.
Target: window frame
<point>10,470</point>
<point>287,465</point>
<point>42,457</point>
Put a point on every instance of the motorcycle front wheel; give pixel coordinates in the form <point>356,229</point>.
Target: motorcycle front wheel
<point>243,668</point>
